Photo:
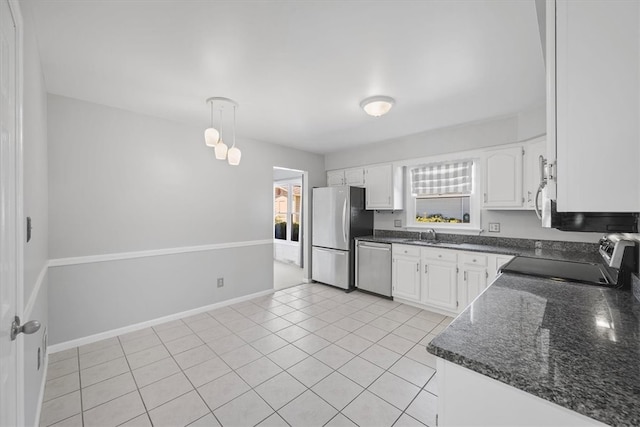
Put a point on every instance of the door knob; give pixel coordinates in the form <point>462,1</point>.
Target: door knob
<point>30,327</point>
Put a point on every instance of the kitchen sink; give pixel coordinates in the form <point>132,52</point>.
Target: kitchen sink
<point>428,242</point>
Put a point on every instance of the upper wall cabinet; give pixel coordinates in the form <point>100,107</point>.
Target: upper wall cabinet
<point>384,187</point>
<point>503,178</point>
<point>593,96</point>
<point>353,177</point>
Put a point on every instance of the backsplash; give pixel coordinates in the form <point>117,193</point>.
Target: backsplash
<point>555,245</point>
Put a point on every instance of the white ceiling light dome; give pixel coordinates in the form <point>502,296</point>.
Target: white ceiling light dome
<point>377,106</point>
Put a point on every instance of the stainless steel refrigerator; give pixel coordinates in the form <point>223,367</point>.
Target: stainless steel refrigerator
<point>339,215</point>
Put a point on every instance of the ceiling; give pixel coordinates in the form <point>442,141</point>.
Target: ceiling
<point>298,69</point>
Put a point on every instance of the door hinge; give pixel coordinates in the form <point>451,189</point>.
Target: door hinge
<point>457,270</point>
<point>457,302</point>
<point>523,151</point>
<point>486,274</point>
<point>436,420</point>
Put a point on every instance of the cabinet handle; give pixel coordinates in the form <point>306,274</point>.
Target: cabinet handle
<point>440,256</point>
<point>425,269</point>
<point>474,260</point>
<point>418,267</point>
<point>529,196</point>
<point>485,197</point>
<point>465,275</point>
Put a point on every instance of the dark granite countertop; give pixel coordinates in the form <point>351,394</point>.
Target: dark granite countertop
<point>575,345</point>
<point>574,252</point>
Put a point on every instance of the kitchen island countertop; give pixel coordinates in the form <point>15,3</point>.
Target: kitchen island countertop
<point>574,345</point>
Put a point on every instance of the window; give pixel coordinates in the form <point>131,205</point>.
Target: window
<point>441,196</point>
<point>287,202</point>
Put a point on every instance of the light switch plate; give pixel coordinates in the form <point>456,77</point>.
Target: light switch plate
<point>494,227</point>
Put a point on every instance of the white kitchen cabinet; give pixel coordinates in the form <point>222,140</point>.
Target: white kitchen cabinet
<point>353,177</point>
<point>439,284</point>
<point>495,263</point>
<point>335,178</point>
<point>532,153</point>
<point>384,187</point>
<point>405,272</point>
<point>503,178</point>
<point>593,104</point>
<point>472,277</point>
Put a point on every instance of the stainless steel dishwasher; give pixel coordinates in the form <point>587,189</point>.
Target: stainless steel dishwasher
<point>373,271</point>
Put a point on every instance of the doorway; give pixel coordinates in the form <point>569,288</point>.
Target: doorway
<point>288,227</point>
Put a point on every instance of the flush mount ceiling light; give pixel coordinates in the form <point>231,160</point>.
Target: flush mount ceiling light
<point>213,136</point>
<point>377,106</point>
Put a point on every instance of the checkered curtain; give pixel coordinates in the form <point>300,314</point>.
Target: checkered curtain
<point>442,179</point>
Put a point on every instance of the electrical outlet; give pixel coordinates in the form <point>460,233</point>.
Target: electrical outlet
<point>397,223</point>
<point>220,282</point>
<point>494,227</point>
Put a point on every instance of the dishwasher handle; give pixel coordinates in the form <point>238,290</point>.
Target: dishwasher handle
<point>375,246</point>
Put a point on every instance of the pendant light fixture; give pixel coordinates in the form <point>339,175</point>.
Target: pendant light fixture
<point>234,152</point>
<point>211,134</point>
<point>213,137</point>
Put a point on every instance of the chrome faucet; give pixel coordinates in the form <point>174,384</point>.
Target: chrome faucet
<point>430,234</point>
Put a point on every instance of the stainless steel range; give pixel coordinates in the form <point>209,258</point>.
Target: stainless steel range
<point>619,254</point>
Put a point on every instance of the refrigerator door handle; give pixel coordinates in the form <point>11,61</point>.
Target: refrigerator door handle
<point>344,220</point>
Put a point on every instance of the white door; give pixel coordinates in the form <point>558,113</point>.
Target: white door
<point>474,281</point>
<point>8,198</point>
<point>379,185</point>
<point>406,278</point>
<point>441,289</point>
<point>503,178</point>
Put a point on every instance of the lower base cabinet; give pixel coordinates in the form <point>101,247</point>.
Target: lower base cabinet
<point>441,280</point>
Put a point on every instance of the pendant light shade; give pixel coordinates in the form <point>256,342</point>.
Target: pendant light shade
<point>213,137</point>
<point>221,150</point>
<point>233,156</point>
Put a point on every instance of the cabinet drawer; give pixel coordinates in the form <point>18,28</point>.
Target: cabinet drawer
<point>407,250</point>
<point>474,259</point>
<point>439,254</point>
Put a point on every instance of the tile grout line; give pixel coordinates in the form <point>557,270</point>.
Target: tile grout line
<point>339,303</point>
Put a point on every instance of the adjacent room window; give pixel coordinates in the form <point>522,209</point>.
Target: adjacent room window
<point>287,203</point>
<point>442,195</point>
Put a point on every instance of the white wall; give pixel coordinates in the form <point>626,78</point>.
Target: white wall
<point>124,182</point>
<point>504,130</point>
<point>35,206</point>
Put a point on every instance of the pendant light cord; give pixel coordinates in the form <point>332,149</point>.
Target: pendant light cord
<point>234,126</point>
<point>220,138</point>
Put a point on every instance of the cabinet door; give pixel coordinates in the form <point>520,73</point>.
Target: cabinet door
<point>379,185</point>
<point>406,278</point>
<point>503,178</point>
<point>597,105</point>
<point>335,178</point>
<point>439,285</point>
<point>354,177</point>
<point>532,155</point>
<point>472,280</point>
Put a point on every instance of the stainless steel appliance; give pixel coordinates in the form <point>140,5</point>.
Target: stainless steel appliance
<point>339,216</point>
<point>619,253</point>
<point>373,261</point>
<point>545,207</point>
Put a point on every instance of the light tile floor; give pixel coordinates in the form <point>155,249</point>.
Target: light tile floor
<point>310,355</point>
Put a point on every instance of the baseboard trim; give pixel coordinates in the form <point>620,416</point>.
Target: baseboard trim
<point>55,348</point>
<point>28,308</point>
<point>59,262</point>
<point>42,387</point>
